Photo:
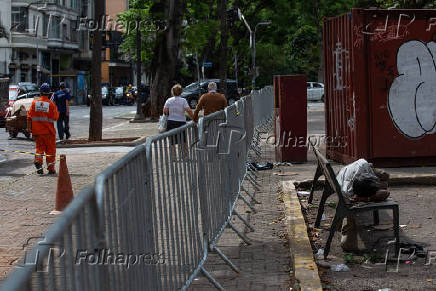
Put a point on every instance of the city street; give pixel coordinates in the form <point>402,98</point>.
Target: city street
<point>16,165</point>
<point>79,124</point>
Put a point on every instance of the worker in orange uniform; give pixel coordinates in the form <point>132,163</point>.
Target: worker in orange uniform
<point>42,115</point>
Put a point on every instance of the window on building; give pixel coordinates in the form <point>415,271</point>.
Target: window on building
<point>73,4</point>
<point>54,27</point>
<point>46,63</point>
<point>19,21</point>
<point>73,31</point>
<point>45,24</point>
<point>65,35</point>
<point>34,75</point>
<point>23,76</point>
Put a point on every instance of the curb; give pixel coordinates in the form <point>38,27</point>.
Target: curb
<point>125,117</point>
<point>304,266</point>
<point>134,143</point>
<point>394,180</point>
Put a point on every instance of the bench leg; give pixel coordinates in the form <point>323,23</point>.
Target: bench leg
<point>325,194</point>
<point>338,218</point>
<point>396,222</point>
<point>318,174</point>
<point>376,217</point>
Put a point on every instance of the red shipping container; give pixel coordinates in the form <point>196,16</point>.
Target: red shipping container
<point>380,82</point>
<point>290,122</point>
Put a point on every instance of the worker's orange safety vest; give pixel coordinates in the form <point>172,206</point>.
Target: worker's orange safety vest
<point>43,114</point>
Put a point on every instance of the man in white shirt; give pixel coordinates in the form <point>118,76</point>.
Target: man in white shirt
<point>347,178</point>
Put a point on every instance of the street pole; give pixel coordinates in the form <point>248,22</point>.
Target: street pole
<point>198,73</point>
<point>253,58</point>
<point>36,27</point>
<point>252,45</point>
<point>139,114</point>
<point>253,33</point>
<point>236,69</point>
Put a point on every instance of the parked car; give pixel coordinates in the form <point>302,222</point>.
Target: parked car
<point>315,91</point>
<point>193,91</point>
<point>20,89</point>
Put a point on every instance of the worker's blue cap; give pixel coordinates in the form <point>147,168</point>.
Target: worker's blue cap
<point>45,88</point>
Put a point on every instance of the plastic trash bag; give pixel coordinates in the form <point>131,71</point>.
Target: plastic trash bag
<point>162,127</point>
<point>340,268</point>
<point>262,167</point>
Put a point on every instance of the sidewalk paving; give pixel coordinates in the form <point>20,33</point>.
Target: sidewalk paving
<point>265,264</point>
<point>25,204</point>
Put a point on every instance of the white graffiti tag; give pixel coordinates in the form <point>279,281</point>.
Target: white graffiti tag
<point>412,97</point>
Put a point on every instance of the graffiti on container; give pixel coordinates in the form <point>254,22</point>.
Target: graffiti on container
<point>431,24</point>
<point>341,57</point>
<point>412,96</point>
<point>398,29</point>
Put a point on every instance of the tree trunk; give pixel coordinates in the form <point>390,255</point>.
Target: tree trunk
<point>320,41</point>
<point>222,8</point>
<point>95,113</point>
<point>166,55</point>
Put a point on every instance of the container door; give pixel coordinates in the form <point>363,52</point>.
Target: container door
<point>402,58</point>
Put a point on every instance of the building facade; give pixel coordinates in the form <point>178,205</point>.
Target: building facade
<point>116,69</point>
<point>41,42</point>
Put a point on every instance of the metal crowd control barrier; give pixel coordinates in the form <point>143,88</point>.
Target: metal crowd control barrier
<point>152,218</point>
<point>52,263</point>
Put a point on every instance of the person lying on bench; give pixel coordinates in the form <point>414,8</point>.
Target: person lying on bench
<point>360,182</point>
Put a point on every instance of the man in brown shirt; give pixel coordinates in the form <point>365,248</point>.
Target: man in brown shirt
<point>210,102</point>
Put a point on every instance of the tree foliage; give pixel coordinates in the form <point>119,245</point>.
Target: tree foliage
<point>290,45</point>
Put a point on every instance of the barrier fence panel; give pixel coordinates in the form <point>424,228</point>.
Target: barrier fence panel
<point>126,212</point>
<point>263,106</point>
<point>173,174</point>
<point>59,261</point>
<point>249,120</point>
<point>213,174</point>
<point>153,216</point>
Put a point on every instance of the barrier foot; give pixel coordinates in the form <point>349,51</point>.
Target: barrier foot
<point>253,183</point>
<point>248,203</point>
<point>252,169</point>
<point>243,220</point>
<point>256,151</point>
<point>241,235</point>
<point>211,279</point>
<point>251,196</point>
<point>226,259</point>
<point>251,175</point>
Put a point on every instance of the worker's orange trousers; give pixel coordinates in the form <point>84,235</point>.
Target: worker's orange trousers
<point>46,144</point>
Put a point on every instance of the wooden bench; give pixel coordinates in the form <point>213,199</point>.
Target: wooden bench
<point>344,207</point>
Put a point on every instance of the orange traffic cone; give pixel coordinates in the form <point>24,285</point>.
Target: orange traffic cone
<point>64,192</point>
